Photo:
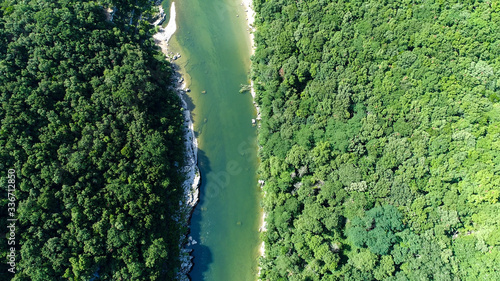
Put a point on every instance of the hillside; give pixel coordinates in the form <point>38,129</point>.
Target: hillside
<point>95,137</point>
<point>380,139</point>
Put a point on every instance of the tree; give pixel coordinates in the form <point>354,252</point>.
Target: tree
<point>377,230</point>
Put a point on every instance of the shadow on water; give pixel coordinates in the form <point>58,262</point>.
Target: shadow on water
<point>203,257</point>
<point>204,165</point>
<point>184,94</point>
<point>190,106</point>
<point>189,102</point>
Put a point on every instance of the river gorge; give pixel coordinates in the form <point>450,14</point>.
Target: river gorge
<point>213,40</point>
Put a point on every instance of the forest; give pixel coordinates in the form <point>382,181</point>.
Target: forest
<point>95,136</point>
<point>380,139</point>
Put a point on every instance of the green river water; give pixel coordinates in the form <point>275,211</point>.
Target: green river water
<point>215,49</point>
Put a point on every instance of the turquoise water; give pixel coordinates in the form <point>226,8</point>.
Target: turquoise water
<point>215,49</point>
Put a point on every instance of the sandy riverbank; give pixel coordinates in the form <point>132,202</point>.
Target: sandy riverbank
<point>250,16</point>
<point>164,34</point>
<point>250,19</point>
<point>250,13</point>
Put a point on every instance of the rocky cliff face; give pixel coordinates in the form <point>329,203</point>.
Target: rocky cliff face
<point>191,187</point>
<point>191,171</point>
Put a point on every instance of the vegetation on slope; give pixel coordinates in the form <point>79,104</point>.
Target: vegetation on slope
<point>94,135</point>
<point>380,139</point>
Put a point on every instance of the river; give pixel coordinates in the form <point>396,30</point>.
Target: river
<point>215,60</point>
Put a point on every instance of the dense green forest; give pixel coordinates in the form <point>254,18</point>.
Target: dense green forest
<point>380,139</point>
<point>95,138</point>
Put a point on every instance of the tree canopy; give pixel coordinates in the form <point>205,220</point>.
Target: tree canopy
<point>379,135</point>
<point>95,136</point>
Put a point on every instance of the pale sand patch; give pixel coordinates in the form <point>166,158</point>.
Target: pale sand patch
<point>262,229</point>
<point>247,4</point>
<point>164,34</point>
<point>251,19</point>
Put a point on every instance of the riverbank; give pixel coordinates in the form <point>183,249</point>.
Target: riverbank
<point>190,169</point>
<point>164,34</point>
<point>250,15</point>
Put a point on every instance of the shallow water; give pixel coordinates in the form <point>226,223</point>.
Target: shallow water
<point>215,49</point>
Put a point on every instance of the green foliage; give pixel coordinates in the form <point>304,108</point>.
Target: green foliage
<point>94,135</point>
<point>380,121</point>
<point>377,229</point>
